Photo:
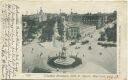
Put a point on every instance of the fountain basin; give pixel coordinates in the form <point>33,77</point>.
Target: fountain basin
<point>68,62</point>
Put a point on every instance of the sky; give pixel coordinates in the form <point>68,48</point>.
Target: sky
<point>81,7</point>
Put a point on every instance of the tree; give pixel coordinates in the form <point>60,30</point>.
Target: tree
<point>47,31</point>
<point>78,36</point>
<point>60,27</point>
<point>111,33</point>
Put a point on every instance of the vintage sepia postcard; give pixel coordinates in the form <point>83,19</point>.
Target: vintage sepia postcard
<point>63,40</point>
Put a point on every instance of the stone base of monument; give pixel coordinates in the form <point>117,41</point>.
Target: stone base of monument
<point>64,63</point>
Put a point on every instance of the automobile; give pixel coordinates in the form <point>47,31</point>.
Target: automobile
<point>72,43</point>
<point>84,42</point>
<point>77,47</point>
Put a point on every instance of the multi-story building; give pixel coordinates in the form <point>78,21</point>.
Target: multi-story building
<point>75,17</point>
<point>97,20</point>
<point>72,31</point>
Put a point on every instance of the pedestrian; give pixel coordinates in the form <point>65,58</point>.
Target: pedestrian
<point>24,62</point>
<point>57,69</point>
<point>32,50</point>
<point>28,69</point>
<point>89,47</point>
<point>91,36</point>
<point>48,57</point>
<point>76,55</point>
<point>41,54</point>
<point>100,53</point>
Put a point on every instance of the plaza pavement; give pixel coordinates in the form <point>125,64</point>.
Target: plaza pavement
<point>92,61</point>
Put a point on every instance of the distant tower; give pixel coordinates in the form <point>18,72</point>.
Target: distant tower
<point>70,17</point>
<point>41,11</point>
<point>42,15</point>
<point>60,11</point>
<point>71,11</point>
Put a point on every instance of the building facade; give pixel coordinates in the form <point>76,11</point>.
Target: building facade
<point>73,33</point>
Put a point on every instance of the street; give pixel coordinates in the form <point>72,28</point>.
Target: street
<point>96,60</point>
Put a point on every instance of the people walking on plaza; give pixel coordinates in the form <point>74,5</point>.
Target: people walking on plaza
<point>28,70</point>
<point>41,54</point>
<point>83,55</point>
<point>77,55</point>
<point>89,47</point>
<point>48,57</point>
<point>32,50</point>
<point>23,55</point>
<point>100,53</point>
<point>57,69</point>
